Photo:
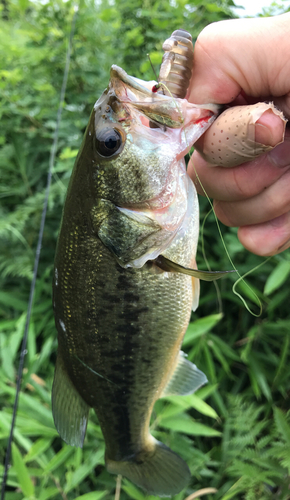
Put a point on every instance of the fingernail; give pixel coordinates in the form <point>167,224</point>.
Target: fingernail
<point>269,129</point>
<point>280,155</point>
<point>263,135</point>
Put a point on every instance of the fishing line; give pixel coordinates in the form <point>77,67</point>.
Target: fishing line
<point>23,351</point>
<point>217,288</point>
<point>152,67</point>
<point>94,372</point>
<point>241,278</point>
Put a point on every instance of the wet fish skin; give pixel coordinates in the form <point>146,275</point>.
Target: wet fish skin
<point>121,318</point>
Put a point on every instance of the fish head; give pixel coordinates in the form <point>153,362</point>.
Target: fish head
<point>139,138</point>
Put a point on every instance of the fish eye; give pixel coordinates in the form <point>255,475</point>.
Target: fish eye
<point>108,142</point>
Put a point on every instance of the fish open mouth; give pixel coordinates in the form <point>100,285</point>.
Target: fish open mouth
<point>158,108</point>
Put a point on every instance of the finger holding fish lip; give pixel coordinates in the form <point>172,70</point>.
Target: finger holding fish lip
<point>242,133</point>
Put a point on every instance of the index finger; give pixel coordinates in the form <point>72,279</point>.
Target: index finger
<point>251,55</point>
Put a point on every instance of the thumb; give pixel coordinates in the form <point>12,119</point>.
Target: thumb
<point>241,133</point>
<point>249,55</point>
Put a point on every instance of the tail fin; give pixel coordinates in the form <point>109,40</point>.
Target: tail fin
<point>160,472</point>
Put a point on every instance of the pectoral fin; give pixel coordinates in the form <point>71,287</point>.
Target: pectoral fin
<point>70,412</point>
<point>131,235</point>
<point>122,235</point>
<point>186,378</point>
<point>173,267</point>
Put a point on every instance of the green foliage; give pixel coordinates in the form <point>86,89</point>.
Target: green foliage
<point>235,432</point>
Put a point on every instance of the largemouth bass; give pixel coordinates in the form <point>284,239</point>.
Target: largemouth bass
<point>122,294</point>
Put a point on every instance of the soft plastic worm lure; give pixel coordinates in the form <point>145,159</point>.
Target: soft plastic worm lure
<point>176,67</point>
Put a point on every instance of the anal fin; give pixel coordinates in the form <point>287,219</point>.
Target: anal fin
<point>70,412</point>
<point>186,378</point>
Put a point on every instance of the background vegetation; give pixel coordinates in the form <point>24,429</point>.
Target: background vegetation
<point>235,432</point>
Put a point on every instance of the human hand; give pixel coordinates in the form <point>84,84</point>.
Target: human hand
<point>241,62</point>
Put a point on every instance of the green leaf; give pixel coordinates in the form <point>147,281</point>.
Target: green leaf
<point>190,401</point>
<point>22,472</point>
<point>258,378</point>
<point>5,425</point>
<point>36,410</point>
<point>12,301</point>
<point>277,277</point>
<point>84,470</point>
<point>48,492</point>
<point>206,391</point>
<point>68,153</point>
<point>282,425</point>
<point>199,327</point>
<point>225,348</point>
<point>282,366</point>
<point>59,458</point>
<point>233,491</point>
<point>32,427</point>
<point>183,423</point>
<point>201,406</point>
<point>94,495</point>
<point>210,369</point>
<point>218,354</point>
<point>38,447</point>
<point>132,490</point>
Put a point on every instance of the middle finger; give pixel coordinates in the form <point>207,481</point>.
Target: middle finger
<point>241,182</point>
<point>269,204</point>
